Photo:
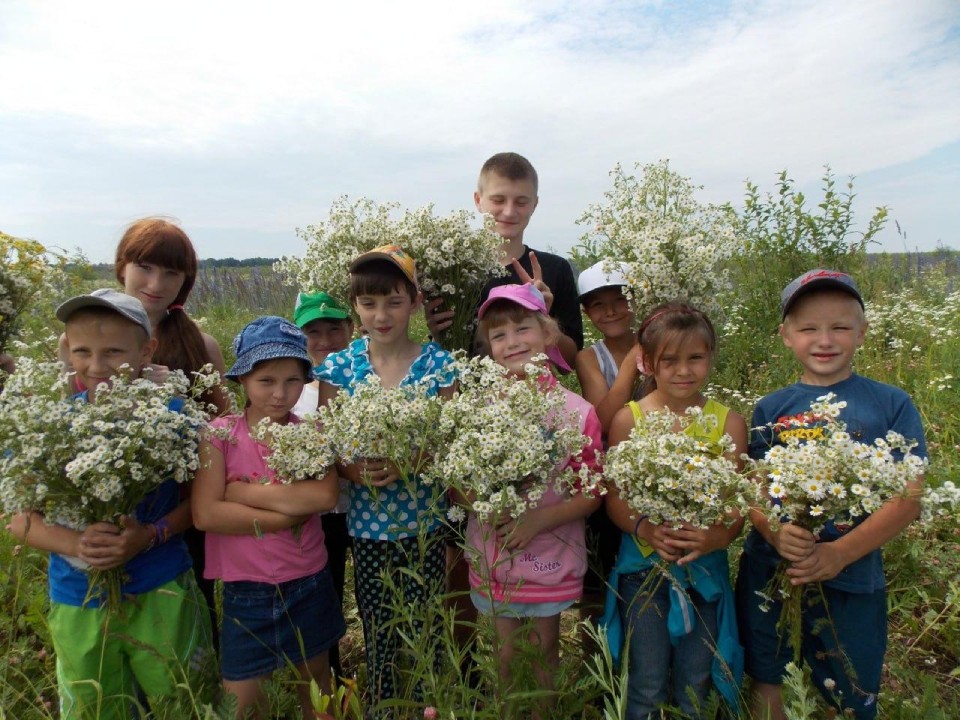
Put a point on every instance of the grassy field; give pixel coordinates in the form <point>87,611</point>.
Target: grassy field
<point>913,342</point>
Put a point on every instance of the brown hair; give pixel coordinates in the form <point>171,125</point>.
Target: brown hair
<point>667,323</point>
<point>511,166</point>
<point>159,242</point>
<point>379,277</point>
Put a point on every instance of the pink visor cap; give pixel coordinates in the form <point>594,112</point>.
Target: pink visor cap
<point>526,296</point>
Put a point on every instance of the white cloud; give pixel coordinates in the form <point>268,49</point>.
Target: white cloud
<point>255,117</point>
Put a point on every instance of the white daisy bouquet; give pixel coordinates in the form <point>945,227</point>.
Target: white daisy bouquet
<point>376,423</point>
<point>298,451</point>
<point>23,272</point>
<point>503,438</point>
<point>454,261</point>
<point>454,258</point>
<point>677,477</point>
<point>818,473</point>
<point>671,246</point>
<point>78,463</point>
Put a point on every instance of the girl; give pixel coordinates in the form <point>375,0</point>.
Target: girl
<point>668,659</point>
<point>328,327</point>
<point>385,296</point>
<point>156,263</point>
<point>515,324</point>
<point>279,605</point>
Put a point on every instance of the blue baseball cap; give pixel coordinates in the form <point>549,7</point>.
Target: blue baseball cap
<point>267,338</point>
<point>818,279</point>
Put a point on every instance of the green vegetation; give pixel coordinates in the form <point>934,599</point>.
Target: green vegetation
<point>913,342</point>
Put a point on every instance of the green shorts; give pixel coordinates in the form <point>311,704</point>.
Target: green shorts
<point>155,641</point>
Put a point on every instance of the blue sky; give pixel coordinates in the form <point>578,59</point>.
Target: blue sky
<point>246,121</point>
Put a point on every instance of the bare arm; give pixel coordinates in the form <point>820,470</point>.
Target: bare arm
<point>827,559</point>
<point>299,498</point>
<point>213,513</point>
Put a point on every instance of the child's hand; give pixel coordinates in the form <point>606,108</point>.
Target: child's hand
<point>793,542</point>
<point>516,533</point>
<point>693,542</point>
<point>156,373</point>
<point>659,538</point>
<point>536,279</point>
<point>824,563</point>
<point>378,473</point>
<point>105,546</point>
<point>438,319</point>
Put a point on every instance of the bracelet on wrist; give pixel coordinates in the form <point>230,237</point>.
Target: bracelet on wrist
<point>636,528</point>
<point>152,529</point>
<point>163,530</point>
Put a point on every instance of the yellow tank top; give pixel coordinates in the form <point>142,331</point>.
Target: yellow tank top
<point>711,434</point>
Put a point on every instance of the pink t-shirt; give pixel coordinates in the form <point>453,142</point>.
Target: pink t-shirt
<point>552,565</point>
<point>274,557</point>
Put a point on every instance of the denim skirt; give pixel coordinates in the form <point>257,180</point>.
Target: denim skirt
<point>267,626</point>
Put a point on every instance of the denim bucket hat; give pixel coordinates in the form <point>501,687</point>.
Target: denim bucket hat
<point>267,338</point>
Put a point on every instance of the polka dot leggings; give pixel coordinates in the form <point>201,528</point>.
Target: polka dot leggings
<point>397,584</point>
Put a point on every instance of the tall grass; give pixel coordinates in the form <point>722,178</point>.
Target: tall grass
<point>914,342</point>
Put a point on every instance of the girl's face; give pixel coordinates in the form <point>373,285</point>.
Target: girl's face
<point>515,344</point>
<point>326,336</point>
<point>681,368</point>
<point>273,388</point>
<point>610,312</point>
<point>153,285</point>
<point>386,318</point>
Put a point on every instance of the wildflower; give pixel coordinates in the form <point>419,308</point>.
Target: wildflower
<point>430,712</point>
<point>829,684</point>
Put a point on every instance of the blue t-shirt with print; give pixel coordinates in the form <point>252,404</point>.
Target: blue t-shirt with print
<point>872,410</point>
<point>144,572</point>
<point>402,508</point>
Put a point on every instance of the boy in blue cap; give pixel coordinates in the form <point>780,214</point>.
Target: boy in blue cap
<point>844,636</point>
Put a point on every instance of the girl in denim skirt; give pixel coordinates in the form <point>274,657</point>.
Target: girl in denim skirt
<point>265,539</point>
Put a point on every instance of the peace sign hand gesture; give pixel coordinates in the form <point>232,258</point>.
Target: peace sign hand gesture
<point>537,278</point>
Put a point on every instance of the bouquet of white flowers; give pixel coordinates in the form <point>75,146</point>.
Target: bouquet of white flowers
<point>24,271</point>
<point>677,477</point>
<point>669,245</point>
<point>503,438</point>
<point>78,463</point>
<point>298,451</point>
<point>377,423</point>
<point>454,259</point>
<point>818,473</point>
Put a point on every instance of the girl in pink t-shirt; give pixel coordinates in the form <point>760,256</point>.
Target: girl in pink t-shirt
<point>279,604</point>
<point>525,572</point>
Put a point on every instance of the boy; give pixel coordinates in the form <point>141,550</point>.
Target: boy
<point>507,190</point>
<point>823,324</point>
<point>162,631</point>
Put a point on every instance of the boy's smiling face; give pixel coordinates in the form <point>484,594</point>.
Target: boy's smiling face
<point>609,311</point>
<point>824,330</point>
<point>511,202</point>
<point>100,343</point>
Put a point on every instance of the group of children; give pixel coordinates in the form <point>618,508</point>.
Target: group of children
<point>282,565</point>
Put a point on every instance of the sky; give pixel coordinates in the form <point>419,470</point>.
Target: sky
<point>244,121</point>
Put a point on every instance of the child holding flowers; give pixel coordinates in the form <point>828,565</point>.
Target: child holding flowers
<point>673,496</point>
<point>844,627</point>
<point>525,570</point>
<point>264,538</point>
<point>159,628</point>
<point>395,521</point>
